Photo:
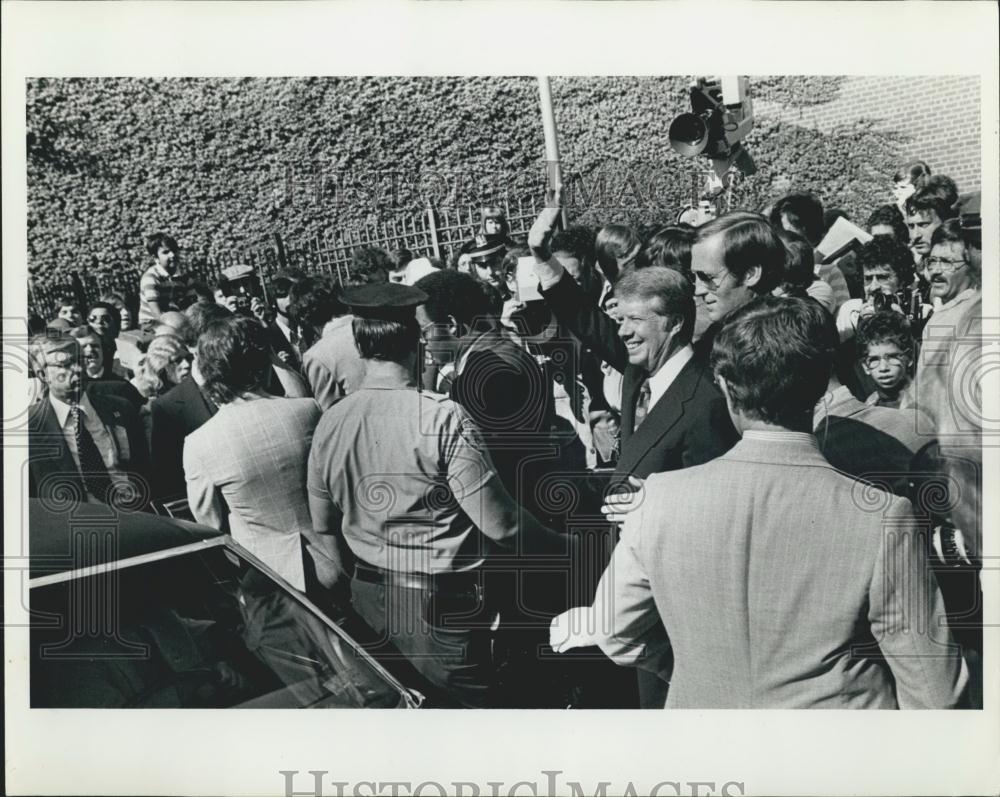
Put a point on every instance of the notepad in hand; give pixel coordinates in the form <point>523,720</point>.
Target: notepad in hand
<point>841,237</point>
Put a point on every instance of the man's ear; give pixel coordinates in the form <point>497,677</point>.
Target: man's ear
<point>455,329</point>
<point>753,277</point>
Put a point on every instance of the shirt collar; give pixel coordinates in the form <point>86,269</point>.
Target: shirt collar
<point>781,436</point>
<point>662,379</point>
<point>968,293</point>
<point>62,409</point>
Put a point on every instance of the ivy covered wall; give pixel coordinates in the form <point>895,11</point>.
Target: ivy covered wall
<point>224,163</point>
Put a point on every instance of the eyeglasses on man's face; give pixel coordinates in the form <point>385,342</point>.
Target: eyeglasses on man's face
<point>711,281</point>
<point>944,264</point>
<point>873,362</point>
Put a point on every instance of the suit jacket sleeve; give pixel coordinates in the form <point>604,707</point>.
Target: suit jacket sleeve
<point>587,321</point>
<point>324,387</point>
<point>166,442</point>
<point>713,435</point>
<point>204,500</point>
<point>629,629</point>
<point>906,612</point>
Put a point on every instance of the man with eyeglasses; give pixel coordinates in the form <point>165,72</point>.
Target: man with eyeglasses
<point>283,331</point>
<point>735,258</point>
<point>954,270</point>
<point>673,416</point>
<point>759,577</point>
<point>88,447</point>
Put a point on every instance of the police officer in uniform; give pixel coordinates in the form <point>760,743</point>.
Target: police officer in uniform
<point>403,481</point>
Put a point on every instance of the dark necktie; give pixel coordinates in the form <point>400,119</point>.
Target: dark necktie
<point>293,336</point>
<point>642,406</point>
<point>92,468</point>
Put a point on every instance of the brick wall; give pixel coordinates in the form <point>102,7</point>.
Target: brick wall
<point>940,117</point>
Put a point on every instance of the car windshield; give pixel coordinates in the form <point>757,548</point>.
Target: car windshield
<point>203,629</point>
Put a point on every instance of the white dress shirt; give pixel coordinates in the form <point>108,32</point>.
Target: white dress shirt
<point>664,378</point>
<point>103,438</point>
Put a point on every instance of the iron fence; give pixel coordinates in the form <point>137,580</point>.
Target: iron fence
<point>437,233</point>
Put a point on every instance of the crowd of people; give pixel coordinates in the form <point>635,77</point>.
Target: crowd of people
<point>740,456</point>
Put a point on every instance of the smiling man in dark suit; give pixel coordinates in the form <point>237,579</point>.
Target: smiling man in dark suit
<point>92,445</point>
<point>673,415</point>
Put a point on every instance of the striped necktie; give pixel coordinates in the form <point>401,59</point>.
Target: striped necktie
<point>642,406</point>
<point>92,468</point>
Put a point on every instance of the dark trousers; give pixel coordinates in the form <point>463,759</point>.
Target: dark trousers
<point>445,637</point>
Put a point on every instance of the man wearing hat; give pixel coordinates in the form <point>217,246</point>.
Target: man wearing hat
<point>485,255</point>
<point>402,480</point>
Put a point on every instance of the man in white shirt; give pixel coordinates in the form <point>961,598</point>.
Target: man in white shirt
<point>92,446</point>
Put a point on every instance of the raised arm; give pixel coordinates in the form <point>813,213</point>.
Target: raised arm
<point>565,298</point>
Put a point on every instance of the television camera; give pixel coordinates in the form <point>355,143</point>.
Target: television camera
<point>721,117</point>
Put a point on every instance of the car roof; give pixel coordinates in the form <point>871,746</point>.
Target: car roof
<point>54,531</point>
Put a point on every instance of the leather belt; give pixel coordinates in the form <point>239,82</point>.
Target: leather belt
<point>463,583</point>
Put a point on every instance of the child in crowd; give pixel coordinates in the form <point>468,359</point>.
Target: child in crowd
<point>885,346</point>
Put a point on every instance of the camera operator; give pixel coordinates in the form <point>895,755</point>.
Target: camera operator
<point>238,289</point>
<point>889,284</point>
<point>889,280</point>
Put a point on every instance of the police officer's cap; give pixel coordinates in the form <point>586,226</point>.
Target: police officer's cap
<point>486,247</point>
<point>387,300</point>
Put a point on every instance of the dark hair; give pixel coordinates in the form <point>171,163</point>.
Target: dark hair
<point>67,300</point>
<point>800,263</point>
<point>201,291</point>
<point>381,339</point>
<point>944,187</point>
<point>669,247</point>
<point>451,293</point>
<point>884,326</point>
<point>116,316</point>
<point>890,216</point>
<point>672,291</point>
<point>885,251</point>
<point>801,211</point>
<point>313,301</point>
<point>951,231</point>
<point>201,314</point>
<point>613,244</point>
<point>916,171</point>
<point>577,241</point>
<point>748,240</point>
<point>494,212</point>
<point>776,355</point>
<point>371,263</point>
<point>400,257</point>
<point>926,200</point>
<point>233,357</point>
<point>158,239</point>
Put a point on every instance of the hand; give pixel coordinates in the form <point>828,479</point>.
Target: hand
<point>541,230</point>
<point>569,629</point>
<point>618,505</point>
<point>284,356</point>
<point>510,307</point>
<point>258,308</point>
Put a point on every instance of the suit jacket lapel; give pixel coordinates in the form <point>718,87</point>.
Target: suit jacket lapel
<point>51,432</point>
<point>663,416</point>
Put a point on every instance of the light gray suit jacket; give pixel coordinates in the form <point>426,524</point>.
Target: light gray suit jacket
<point>246,475</point>
<point>781,583</point>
